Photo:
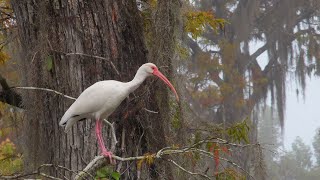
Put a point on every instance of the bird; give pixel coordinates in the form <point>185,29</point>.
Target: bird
<point>102,98</point>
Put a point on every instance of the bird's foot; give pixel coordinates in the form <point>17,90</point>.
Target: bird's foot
<point>108,154</point>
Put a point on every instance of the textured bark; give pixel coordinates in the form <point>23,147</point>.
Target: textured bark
<point>111,29</point>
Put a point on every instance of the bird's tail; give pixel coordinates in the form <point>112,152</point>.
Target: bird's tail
<point>68,120</point>
<point>71,122</point>
<point>64,119</point>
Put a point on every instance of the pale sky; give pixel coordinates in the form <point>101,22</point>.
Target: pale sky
<point>302,117</point>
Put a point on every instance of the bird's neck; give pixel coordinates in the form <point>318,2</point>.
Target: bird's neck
<point>136,81</point>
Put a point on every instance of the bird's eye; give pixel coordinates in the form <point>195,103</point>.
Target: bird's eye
<point>152,67</point>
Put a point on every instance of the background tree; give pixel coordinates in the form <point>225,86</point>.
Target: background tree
<point>262,44</point>
<point>302,153</point>
<point>269,134</point>
<point>316,146</point>
<point>297,163</point>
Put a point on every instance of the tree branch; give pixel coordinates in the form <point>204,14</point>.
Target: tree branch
<point>183,169</point>
<point>100,161</point>
<point>113,133</point>
<point>291,37</point>
<point>39,173</point>
<point>97,57</point>
<point>44,89</point>
<point>162,154</point>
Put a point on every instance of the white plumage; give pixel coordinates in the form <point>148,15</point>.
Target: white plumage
<point>102,98</point>
<point>97,101</point>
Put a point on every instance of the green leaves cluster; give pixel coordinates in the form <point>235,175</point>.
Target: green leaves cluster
<point>4,57</point>
<point>107,173</point>
<point>149,159</point>
<point>10,161</point>
<point>197,21</point>
<point>230,174</point>
<point>239,132</point>
<point>49,62</point>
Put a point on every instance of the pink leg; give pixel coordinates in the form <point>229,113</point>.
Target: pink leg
<point>100,141</point>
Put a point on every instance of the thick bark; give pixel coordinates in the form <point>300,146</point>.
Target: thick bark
<point>111,29</point>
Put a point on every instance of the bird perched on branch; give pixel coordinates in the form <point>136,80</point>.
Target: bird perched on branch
<point>101,99</point>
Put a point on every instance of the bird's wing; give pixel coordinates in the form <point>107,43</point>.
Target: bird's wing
<point>92,100</point>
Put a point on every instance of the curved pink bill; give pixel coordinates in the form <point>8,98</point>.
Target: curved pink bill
<point>156,72</point>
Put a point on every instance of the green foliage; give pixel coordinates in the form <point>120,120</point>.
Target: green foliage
<point>294,164</point>
<point>316,146</point>
<point>149,159</point>
<point>6,15</point>
<point>230,174</point>
<point>175,114</point>
<point>5,23</point>
<point>147,20</point>
<point>10,162</point>
<point>239,132</point>
<point>182,51</point>
<point>197,21</point>
<point>49,62</point>
<point>4,57</point>
<point>107,173</point>
<point>115,175</point>
<point>302,153</point>
<point>176,123</point>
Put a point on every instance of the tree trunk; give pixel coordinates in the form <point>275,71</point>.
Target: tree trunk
<point>50,31</point>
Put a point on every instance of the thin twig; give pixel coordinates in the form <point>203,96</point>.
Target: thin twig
<point>50,177</point>
<point>99,161</point>
<point>189,172</point>
<point>123,137</point>
<point>113,132</point>
<point>227,160</point>
<point>44,89</point>
<point>38,172</point>
<point>97,57</point>
<point>95,162</point>
<point>18,176</point>
<point>150,111</point>
<point>171,151</point>
<point>33,57</point>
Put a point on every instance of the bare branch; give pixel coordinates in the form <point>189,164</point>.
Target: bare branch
<point>39,173</point>
<point>18,176</point>
<point>189,172</point>
<point>44,89</point>
<point>150,111</point>
<point>291,37</point>
<point>123,137</point>
<point>97,57</point>
<point>227,160</point>
<point>99,161</point>
<point>113,132</point>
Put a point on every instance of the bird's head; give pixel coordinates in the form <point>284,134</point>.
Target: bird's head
<point>152,69</point>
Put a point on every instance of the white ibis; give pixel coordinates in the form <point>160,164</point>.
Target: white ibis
<point>101,99</point>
